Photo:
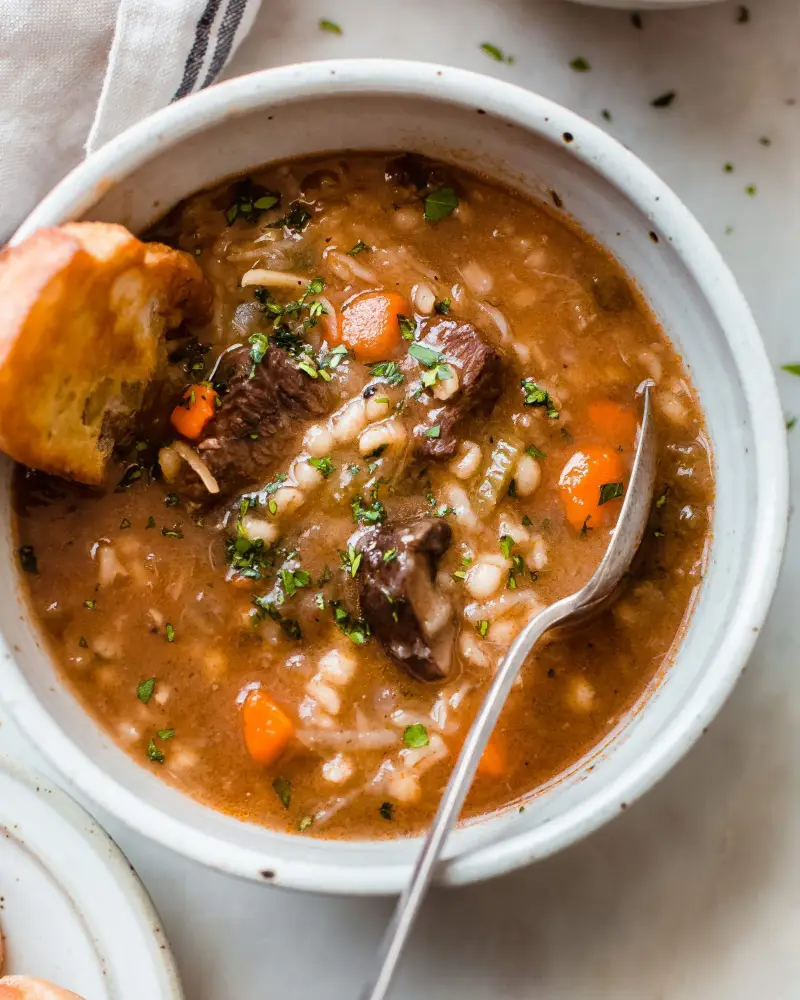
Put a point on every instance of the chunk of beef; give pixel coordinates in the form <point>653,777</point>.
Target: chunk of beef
<point>399,599</point>
<point>480,370</point>
<point>259,421</point>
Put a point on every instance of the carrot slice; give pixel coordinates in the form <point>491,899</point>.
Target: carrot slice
<point>494,759</point>
<point>616,423</point>
<point>370,325</point>
<point>580,484</point>
<point>267,728</point>
<point>190,417</point>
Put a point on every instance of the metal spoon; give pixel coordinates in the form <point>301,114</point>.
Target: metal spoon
<point>592,598</point>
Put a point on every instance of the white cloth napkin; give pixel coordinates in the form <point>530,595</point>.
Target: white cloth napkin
<point>75,73</point>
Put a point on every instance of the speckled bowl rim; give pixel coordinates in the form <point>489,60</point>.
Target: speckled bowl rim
<point>622,169</point>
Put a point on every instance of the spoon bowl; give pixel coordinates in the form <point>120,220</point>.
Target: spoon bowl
<point>594,597</point>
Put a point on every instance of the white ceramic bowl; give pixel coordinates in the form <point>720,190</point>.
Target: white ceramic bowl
<point>533,144</point>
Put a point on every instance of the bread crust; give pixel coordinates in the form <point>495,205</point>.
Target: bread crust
<point>83,312</point>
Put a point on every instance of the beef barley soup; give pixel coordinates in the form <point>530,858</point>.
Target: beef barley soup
<point>407,426</point>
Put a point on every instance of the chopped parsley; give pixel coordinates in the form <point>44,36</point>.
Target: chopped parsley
<point>416,736</point>
<point>145,689</point>
<point>526,521</point>
<point>606,115</point>
<point>442,306</point>
<point>408,327</point>
<point>374,514</point>
<point>535,452</point>
<point>170,632</point>
<point>359,247</point>
<point>534,395</point>
<point>27,559</point>
<point>425,356</point>
<point>610,491</point>
<point>356,629</point>
<point>750,190</point>
<point>389,371</point>
<point>580,65</point>
<point>259,345</point>
<point>83,643</point>
<point>172,532</point>
<point>585,528</point>
<point>248,557</point>
<point>323,465</point>
<point>250,202</point>
<point>319,600</point>
<point>792,369</point>
<point>89,605</point>
<point>165,734</point>
<point>387,810</point>
<point>131,474</point>
<point>151,522</point>
<point>663,100</point>
<point>727,168</point>
<point>124,523</point>
<point>497,54</point>
<point>351,561</point>
<point>293,580</point>
<point>433,432</point>
<point>662,500</point>
<point>790,423</point>
<point>440,203</point>
<point>482,627</point>
<point>506,545</point>
<point>331,360</point>
<point>389,555</point>
<point>296,219</point>
<point>332,26</point>
<point>283,789</point>
<point>305,823</point>
<point>154,754</point>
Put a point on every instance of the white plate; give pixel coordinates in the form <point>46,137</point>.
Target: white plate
<point>72,910</point>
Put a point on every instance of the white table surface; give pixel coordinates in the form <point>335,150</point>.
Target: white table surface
<point>695,891</point>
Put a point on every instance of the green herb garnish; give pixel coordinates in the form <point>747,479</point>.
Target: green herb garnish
<point>332,26</point>
<point>506,545</point>
<point>416,736</point>
<point>165,734</point>
<point>442,306</point>
<point>580,65</point>
<point>154,754</point>
<point>324,465</point>
<point>356,629</point>
<point>408,327</point>
<point>386,810</point>
<point>497,54</point>
<point>27,559</point>
<point>351,561</point>
<point>389,371</point>
<point>535,452</point>
<point>534,395</point>
<point>389,555</point>
<point>664,100</point>
<point>440,203</point>
<point>433,432</point>
<point>374,514</point>
<point>283,789</point>
<point>145,689</point>
<point>610,491</point>
<point>89,604</point>
<point>359,247</point>
<point>170,632</point>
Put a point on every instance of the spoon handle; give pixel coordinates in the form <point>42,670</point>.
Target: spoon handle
<point>453,799</point>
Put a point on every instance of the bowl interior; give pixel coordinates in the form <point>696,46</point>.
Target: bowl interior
<point>537,148</point>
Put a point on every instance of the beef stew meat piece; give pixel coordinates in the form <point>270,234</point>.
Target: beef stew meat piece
<point>480,369</point>
<point>399,598</point>
<point>259,421</point>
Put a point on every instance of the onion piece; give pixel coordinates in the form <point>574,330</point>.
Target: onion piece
<point>272,279</point>
<point>196,464</point>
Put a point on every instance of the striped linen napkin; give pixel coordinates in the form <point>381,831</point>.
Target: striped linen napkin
<point>75,73</point>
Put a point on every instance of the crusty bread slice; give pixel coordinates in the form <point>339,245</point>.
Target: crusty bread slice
<point>83,311</point>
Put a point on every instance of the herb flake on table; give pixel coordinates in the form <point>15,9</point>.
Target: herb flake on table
<point>580,65</point>
<point>330,26</point>
<point>416,736</point>
<point>792,369</point>
<point>664,100</point>
<point>496,53</point>
<point>790,423</point>
<point>605,114</point>
<point>750,190</point>
<point>440,203</point>
<point>728,168</point>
